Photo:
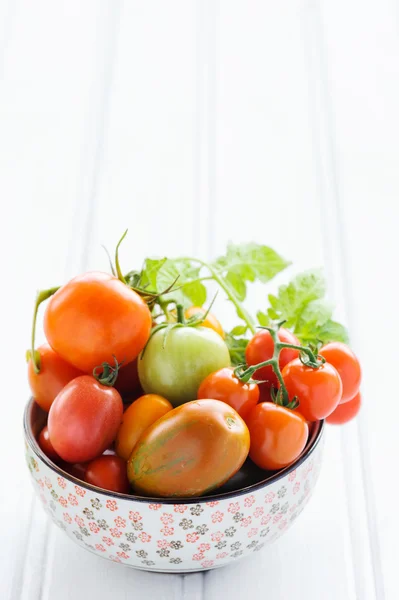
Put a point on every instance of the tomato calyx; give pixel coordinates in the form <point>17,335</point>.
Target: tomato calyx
<point>307,356</point>
<point>107,374</point>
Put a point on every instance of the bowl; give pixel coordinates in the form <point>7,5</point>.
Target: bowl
<point>174,535</point>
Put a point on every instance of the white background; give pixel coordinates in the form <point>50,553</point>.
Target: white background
<point>193,122</point>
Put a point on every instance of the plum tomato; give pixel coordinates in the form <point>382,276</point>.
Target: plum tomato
<point>261,347</point>
<point>136,419</point>
<point>46,445</point>
<point>278,435</point>
<point>95,317</point>
<point>108,472</point>
<point>54,374</point>
<point>84,419</point>
<point>345,411</point>
<point>318,390</point>
<point>191,450</point>
<point>210,321</point>
<point>175,363</point>
<point>341,357</point>
<point>225,386</point>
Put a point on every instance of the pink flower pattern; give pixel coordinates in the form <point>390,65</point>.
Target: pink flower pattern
<point>217,517</point>
<point>112,505</point>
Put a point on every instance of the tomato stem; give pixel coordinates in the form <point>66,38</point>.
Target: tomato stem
<point>40,297</point>
<point>244,373</point>
<point>108,374</point>
<point>180,314</point>
<point>117,265</point>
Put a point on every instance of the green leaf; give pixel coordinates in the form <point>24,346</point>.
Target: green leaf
<point>332,331</point>
<point>150,272</point>
<point>236,348</point>
<point>263,319</point>
<point>239,330</point>
<point>187,292</point>
<point>251,262</point>
<point>237,284</point>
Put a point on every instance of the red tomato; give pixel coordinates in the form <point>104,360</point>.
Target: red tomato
<point>265,393</point>
<point>318,390</point>
<point>344,360</point>
<point>345,411</point>
<point>128,383</point>
<point>84,419</point>
<point>95,317</point>
<point>261,347</point>
<point>108,472</point>
<point>54,374</point>
<point>278,435</point>
<point>77,470</point>
<point>225,386</point>
<point>46,445</point>
<point>136,419</point>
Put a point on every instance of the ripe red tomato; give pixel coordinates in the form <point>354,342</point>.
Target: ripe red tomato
<point>225,386</point>
<point>345,411</point>
<point>77,470</point>
<point>210,321</point>
<point>265,393</point>
<point>261,347</point>
<point>136,419</point>
<point>54,374</point>
<point>278,435</point>
<point>318,390</point>
<point>108,472</point>
<point>347,364</point>
<point>46,445</point>
<point>95,317</point>
<point>84,419</point>
<point>128,383</point>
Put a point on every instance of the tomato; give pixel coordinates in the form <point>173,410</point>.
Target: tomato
<point>84,419</point>
<point>345,411</point>
<point>225,386</point>
<point>46,445</point>
<point>318,390</point>
<point>54,374</point>
<point>264,393</point>
<point>136,419</point>
<point>128,383</point>
<point>278,435</point>
<point>108,472</point>
<point>193,449</point>
<point>210,321</point>
<point>261,347</point>
<point>347,365</point>
<point>175,366</point>
<point>95,317</point>
<point>77,470</point>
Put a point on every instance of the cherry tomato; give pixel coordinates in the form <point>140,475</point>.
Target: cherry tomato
<point>225,386</point>
<point>46,445</point>
<point>344,360</point>
<point>108,472</point>
<point>174,368</point>
<point>84,419</point>
<point>210,321</point>
<point>265,394</point>
<point>278,435</point>
<point>136,419</point>
<point>318,390</point>
<point>128,382</point>
<point>345,411</point>
<point>261,348</point>
<point>193,449</point>
<point>54,374</point>
<point>77,470</point>
<point>95,317</point>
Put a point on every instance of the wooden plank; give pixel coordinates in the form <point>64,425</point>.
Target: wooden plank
<point>364,78</point>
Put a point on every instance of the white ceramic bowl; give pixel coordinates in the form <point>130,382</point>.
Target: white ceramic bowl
<point>183,535</point>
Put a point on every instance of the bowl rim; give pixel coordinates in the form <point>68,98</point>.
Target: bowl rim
<point>315,439</point>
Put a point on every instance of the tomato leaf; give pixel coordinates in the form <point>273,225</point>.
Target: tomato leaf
<point>236,348</point>
<point>263,318</point>
<point>187,290</point>
<point>239,330</point>
<point>332,331</point>
<point>150,271</point>
<point>237,284</point>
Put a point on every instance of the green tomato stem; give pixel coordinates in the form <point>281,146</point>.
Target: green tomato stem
<point>117,265</point>
<point>180,314</point>
<point>40,297</point>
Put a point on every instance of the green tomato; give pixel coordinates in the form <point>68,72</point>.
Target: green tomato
<point>176,369</point>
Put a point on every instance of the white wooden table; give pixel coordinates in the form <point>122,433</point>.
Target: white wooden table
<point>192,123</point>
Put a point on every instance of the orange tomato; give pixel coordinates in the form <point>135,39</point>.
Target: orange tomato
<point>345,411</point>
<point>54,374</point>
<point>210,321</point>
<point>261,347</point>
<point>225,386</point>
<point>341,357</point>
<point>95,317</point>
<point>278,435</point>
<point>193,449</point>
<point>136,419</point>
